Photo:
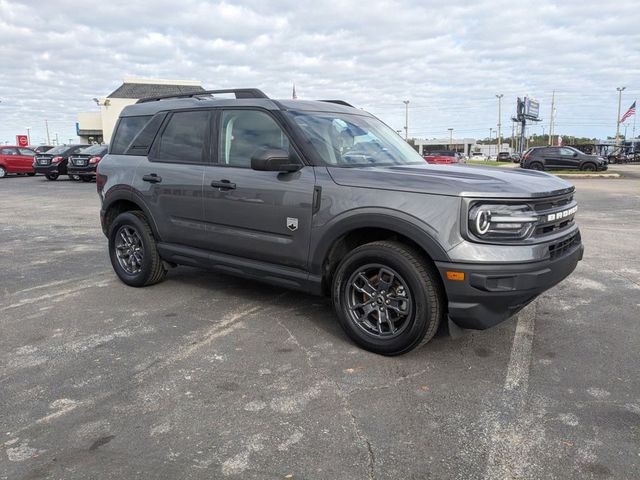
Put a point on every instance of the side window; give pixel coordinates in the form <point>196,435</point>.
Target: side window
<point>566,152</point>
<point>552,151</point>
<point>242,132</point>
<point>9,151</point>
<point>26,151</point>
<point>184,137</point>
<point>128,127</point>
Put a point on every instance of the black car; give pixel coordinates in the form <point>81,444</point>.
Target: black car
<point>516,158</point>
<point>84,164</point>
<point>561,158</point>
<point>54,162</point>
<point>42,148</point>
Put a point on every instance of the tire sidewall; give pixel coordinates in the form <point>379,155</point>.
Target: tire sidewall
<point>420,319</point>
<point>139,279</point>
<point>3,172</point>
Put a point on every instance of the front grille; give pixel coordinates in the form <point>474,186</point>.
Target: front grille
<point>559,249</point>
<point>555,214</point>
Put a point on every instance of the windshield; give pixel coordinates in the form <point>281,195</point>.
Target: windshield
<point>94,150</point>
<point>344,140</point>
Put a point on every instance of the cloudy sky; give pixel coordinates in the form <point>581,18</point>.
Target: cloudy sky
<point>449,59</point>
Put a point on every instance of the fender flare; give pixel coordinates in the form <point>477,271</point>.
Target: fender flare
<point>127,195</point>
<point>399,222</point>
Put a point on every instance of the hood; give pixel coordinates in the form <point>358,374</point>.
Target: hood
<point>454,180</point>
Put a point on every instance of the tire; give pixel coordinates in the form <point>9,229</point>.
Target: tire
<point>32,174</point>
<point>415,290</point>
<point>537,166</point>
<point>85,178</point>
<point>146,268</point>
<point>588,167</point>
<point>52,176</point>
<point>3,172</point>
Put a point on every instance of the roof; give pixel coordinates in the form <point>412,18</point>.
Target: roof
<point>144,90</point>
<point>151,108</point>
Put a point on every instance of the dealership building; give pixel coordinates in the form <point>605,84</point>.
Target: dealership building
<point>97,126</point>
<point>465,146</point>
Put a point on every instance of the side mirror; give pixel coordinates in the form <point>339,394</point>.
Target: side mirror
<point>274,160</point>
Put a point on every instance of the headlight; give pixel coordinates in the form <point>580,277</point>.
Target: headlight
<point>501,222</point>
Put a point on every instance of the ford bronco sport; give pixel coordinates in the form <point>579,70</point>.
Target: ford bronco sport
<point>323,197</point>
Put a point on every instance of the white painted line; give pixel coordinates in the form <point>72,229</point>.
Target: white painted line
<point>509,438</point>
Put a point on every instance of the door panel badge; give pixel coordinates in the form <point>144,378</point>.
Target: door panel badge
<point>292,224</point>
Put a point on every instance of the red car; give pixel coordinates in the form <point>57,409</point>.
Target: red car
<point>442,157</point>
<point>16,160</point>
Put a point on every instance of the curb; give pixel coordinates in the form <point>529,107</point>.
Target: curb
<point>588,175</point>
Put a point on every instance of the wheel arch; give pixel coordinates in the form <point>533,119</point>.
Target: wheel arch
<point>123,202</point>
<point>355,230</point>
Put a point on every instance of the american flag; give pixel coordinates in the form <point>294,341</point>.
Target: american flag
<point>631,111</point>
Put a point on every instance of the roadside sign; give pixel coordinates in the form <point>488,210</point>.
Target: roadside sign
<point>22,140</point>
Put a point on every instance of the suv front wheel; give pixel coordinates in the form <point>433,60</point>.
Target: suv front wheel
<point>133,251</point>
<point>387,297</point>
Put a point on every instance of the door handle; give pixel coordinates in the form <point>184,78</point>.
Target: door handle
<point>223,185</point>
<point>152,178</point>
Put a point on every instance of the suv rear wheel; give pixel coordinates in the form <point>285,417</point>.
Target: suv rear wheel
<point>133,251</point>
<point>387,297</point>
<point>537,166</point>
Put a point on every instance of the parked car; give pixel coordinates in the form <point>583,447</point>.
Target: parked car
<point>84,163</point>
<point>504,157</point>
<point>561,158</point>
<point>323,197</point>
<point>516,157</point>
<point>42,148</point>
<point>14,159</point>
<point>53,163</point>
<point>478,156</point>
<point>442,157</point>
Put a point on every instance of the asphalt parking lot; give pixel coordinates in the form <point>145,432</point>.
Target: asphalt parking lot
<point>207,376</point>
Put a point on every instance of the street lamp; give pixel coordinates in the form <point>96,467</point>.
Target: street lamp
<point>406,119</point>
<point>450,138</point>
<point>29,135</point>
<point>620,90</point>
<point>490,140</point>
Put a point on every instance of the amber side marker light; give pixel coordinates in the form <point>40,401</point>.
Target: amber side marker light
<point>457,276</point>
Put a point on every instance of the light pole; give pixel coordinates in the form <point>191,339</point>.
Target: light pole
<point>29,135</point>
<point>620,90</point>
<point>450,138</point>
<point>499,97</point>
<point>490,140</point>
<point>406,119</point>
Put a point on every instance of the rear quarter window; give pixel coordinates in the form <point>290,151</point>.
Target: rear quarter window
<point>128,128</point>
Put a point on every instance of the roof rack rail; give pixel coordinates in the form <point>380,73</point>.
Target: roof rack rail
<point>239,93</point>
<point>338,102</point>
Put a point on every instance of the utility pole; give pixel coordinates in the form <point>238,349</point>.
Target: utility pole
<point>513,135</point>
<point>553,106</point>
<point>620,90</point>
<point>57,140</point>
<point>46,124</point>
<point>406,119</point>
<point>499,97</point>
<point>29,135</point>
<point>450,138</point>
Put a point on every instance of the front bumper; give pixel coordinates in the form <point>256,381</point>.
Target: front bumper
<point>489,294</point>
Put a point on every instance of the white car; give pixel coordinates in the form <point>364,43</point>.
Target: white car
<point>478,156</point>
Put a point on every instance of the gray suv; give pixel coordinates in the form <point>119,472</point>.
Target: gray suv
<point>323,197</point>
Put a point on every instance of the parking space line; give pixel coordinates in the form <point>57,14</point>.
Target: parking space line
<point>507,455</point>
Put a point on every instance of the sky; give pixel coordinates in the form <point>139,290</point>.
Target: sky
<point>449,59</point>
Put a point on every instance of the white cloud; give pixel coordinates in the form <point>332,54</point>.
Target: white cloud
<point>448,58</point>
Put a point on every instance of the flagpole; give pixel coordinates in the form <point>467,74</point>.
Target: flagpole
<point>633,135</point>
